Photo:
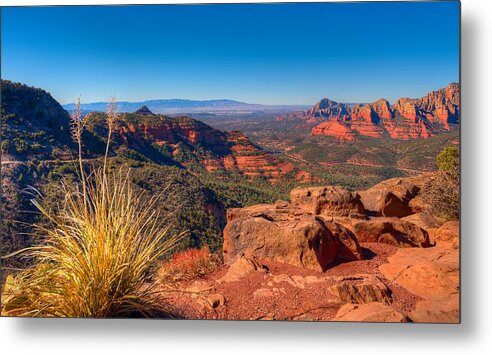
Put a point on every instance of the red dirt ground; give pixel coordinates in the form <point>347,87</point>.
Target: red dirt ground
<point>280,296</point>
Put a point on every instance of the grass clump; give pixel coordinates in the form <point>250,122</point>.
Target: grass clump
<point>98,248</point>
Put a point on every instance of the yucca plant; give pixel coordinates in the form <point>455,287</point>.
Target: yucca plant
<point>98,248</point>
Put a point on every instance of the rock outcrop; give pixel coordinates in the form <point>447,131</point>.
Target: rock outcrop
<point>326,200</point>
<point>442,104</point>
<point>448,235</point>
<point>407,108</point>
<point>382,109</point>
<point>328,109</point>
<point>338,130</point>
<point>322,226</point>
<point>392,198</point>
<point>305,240</point>
<point>360,289</point>
<point>410,118</point>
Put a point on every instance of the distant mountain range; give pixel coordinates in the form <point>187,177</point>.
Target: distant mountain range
<point>174,106</point>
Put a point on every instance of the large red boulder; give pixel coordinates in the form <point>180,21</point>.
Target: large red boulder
<point>305,241</point>
<point>391,198</point>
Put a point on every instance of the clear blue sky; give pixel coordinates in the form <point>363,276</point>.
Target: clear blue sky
<point>284,53</point>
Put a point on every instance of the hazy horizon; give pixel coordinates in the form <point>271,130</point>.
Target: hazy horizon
<point>273,54</point>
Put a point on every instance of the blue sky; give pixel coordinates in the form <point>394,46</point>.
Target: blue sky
<point>272,54</point>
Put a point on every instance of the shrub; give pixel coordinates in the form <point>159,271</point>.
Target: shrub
<point>21,146</point>
<point>189,264</point>
<point>442,193</point>
<point>448,159</point>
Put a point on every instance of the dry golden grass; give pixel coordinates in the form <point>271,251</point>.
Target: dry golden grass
<point>97,252</point>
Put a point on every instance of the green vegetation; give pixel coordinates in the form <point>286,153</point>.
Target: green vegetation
<point>443,192</point>
<point>448,159</point>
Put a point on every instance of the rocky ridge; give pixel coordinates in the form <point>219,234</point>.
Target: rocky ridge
<point>190,141</point>
<point>424,117</point>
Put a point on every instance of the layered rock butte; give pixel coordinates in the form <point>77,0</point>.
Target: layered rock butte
<point>409,118</point>
<point>330,254</point>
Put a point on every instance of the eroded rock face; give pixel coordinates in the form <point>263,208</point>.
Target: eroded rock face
<point>364,112</point>
<point>383,109</point>
<point>407,108</point>
<point>304,240</point>
<point>327,200</point>
<point>443,104</point>
<point>370,312</point>
<point>367,129</point>
<point>392,231</point>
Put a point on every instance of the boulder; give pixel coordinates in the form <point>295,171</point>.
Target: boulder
<point>392,231</point>
<point>369,312</point>
<point>361,289</point>
<point>428,273</point>
<point>393,197</point>
<point>305,240</point>
<point>420,220</point>
<point>242,267</point>
<point>326,200</point>
<point>382,202</point>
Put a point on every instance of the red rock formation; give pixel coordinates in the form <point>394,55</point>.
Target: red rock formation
<point>365,113</point>
<point>382,109</point>
<point>367,129</point>
<point>411,118</point>
<point>443,104</point>
<point>407,108</point>
<point>335,129</point>
<point>328,109</point>
<point>218,151</point>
